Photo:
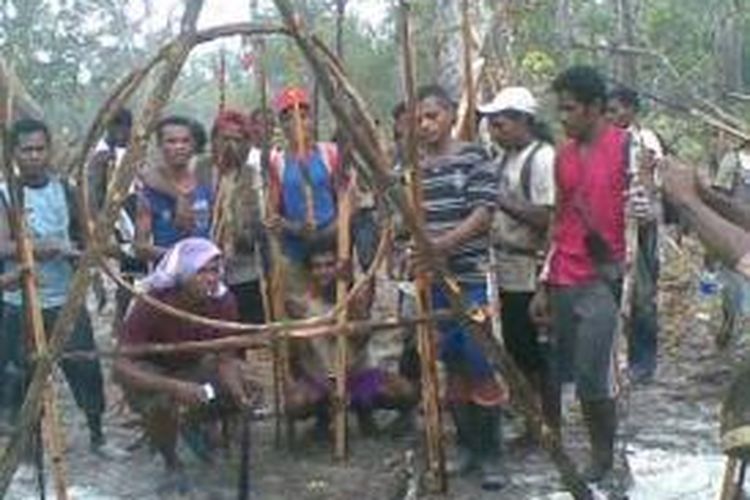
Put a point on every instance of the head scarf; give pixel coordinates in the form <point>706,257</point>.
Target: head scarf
<point>229,118</point>
<point>183,261</point>
<point>290,97</point>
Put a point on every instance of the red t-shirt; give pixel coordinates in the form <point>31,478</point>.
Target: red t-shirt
<point>146,324</point>
<point>596,181</point>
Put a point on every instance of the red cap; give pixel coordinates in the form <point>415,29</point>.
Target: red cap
<point>290,97</point>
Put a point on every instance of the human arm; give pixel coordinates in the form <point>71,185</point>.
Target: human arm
<point>142,244</point>
<point>738,213</point>
<point>139,376</point>
<point>729,241</point>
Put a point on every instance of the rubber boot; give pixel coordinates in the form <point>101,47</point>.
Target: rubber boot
<point>464,421</point>
<point>488,433</point>
<point>601,420</point>
<point>551,406</point>
<point>96,435</point>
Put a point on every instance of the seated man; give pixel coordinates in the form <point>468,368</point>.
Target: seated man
<point>313,360</point>
<point>174,391</point>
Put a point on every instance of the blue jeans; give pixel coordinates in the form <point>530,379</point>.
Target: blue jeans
<point>458,349</point>
<point>642,338</point>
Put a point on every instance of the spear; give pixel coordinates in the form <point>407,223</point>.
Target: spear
<point>425,337</point>
<point>273,291</point>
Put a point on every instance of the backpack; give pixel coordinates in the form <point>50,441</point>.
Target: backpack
<point>525,174</point>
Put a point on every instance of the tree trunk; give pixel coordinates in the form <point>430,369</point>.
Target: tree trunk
<point>449,47</point>
<point>728,43</point>
<point>626,67</point>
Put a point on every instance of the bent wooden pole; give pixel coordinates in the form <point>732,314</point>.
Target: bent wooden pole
<point>351,112</point>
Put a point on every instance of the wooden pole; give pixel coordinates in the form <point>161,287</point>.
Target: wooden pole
<point>728,485</point>
<point>425,337</point>
<point>342,355</point>
<point>52,436</point>
<point>274,291</point>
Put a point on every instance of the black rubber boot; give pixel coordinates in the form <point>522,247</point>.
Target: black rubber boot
<point>465,459</point>
<point>488,433</point>
<point>601,420</point>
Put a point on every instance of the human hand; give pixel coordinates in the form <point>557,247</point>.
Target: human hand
<point>190,393</point>
<point>539,309</point>
<point>640,205</point>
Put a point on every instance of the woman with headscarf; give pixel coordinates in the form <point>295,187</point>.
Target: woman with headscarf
<point>176,391</point>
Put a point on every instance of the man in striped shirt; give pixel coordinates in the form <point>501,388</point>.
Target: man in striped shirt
<point>459,189</point>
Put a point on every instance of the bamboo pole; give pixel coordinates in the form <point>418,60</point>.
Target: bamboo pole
<point>276,292</point>
<point>35,335</point>
<point>342,354</point>
<point>273,305</point>
<point>351,112</point>
<point>425,338</point>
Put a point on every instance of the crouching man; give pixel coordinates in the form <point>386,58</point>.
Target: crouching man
<point>313,360</point>
<point>184,394</point>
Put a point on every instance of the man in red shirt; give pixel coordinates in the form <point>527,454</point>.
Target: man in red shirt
<point>584,265</point>
<point>175,392</point>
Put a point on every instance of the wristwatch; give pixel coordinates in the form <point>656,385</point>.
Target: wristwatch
<point>209,392</point>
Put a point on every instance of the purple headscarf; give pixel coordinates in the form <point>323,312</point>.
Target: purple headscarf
<point>182,262</point>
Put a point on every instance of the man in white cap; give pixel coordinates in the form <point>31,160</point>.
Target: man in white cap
<point>526,196</point>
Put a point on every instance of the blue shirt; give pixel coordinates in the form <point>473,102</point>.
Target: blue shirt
<point>295,179</point>
<point>163,209</point>
<point>47,217</point>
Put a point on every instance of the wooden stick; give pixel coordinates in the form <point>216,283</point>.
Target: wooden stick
<point>728,487</point>
<point>342,354</point>
<point>35,335</point>
<point>351,112</point>
<point>262,341</point>
<point>425,338</point>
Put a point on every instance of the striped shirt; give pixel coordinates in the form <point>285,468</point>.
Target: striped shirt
<point>453,186</point>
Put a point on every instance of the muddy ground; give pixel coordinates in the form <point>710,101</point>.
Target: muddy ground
<point>671,431</point>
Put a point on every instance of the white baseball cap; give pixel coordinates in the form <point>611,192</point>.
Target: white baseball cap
<point>510,98</point>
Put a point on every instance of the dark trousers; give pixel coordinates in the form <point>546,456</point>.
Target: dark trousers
<point>519,333</point>
<point>84,376</point>
<point>249,301</point>
<point>642,338</point>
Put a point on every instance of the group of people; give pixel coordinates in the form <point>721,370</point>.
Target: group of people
<point>199,231</point>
